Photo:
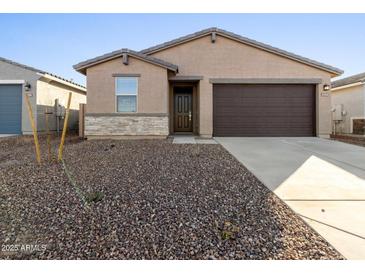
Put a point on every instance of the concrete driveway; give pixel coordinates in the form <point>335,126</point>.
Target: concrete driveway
<point>322,180</point>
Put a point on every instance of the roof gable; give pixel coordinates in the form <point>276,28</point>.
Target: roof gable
<point>246,41</point>
<point>82,66</point>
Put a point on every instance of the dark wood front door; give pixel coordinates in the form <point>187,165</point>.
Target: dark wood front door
<point>183,116</point>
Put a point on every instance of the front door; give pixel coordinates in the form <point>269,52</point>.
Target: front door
<point>183,116</point>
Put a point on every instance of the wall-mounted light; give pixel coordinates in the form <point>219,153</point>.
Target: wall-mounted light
<point>326,87</point>
<point>27,87</point>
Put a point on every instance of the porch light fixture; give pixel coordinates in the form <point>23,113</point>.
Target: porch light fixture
<point>27,86</point>
<point>326,87</point>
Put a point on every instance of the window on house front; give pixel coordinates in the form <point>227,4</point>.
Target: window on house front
<point>126,93</point>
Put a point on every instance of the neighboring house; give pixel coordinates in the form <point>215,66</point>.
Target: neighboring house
<point>348,101</point>
<point>210,83</point>
<point>18,81</point>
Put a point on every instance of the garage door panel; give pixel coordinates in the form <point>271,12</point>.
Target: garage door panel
<point>268,102</point>
<point>276,121</point>
<point>10,109</point>
<point>256,113</point>
<point>263,110</point>
<point>262,91</point>
<point>261,132</point>
<point>268,111</point>
<point>252,104</point>
<point>268,127</point>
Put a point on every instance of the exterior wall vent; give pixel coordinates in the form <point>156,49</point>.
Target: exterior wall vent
<point>125,58</point>
<point>214,37</point>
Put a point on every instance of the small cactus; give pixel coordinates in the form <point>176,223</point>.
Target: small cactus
<point>94,197</point>
<point>229,231</point>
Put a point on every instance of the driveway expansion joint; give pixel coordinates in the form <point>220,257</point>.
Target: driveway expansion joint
<point>334,227</point>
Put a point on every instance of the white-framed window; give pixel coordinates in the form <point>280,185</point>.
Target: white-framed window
<point>126,92</point>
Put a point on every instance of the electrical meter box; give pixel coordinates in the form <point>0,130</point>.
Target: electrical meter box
<point>338,112</point>
<point>59,109</point>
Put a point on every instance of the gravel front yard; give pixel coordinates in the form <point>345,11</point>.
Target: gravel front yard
<point>158,201</point>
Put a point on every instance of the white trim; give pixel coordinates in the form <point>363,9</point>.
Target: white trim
<point>351,123</point>
<point>116,95</point>
<point>12,81</point>
<point>347,86</point>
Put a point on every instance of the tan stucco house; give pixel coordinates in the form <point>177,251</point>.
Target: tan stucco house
<point>45,91</point>
<point>348,102</point>
<point>209,83</point>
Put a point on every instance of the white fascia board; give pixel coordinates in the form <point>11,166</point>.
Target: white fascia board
<point>12,81</point>
<point>348,86</point>
<point>51,78</point>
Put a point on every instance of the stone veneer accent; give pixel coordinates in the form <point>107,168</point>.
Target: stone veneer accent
<point>138,124</point>
<point>358,126</point>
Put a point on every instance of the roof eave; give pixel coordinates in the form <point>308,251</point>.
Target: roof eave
<point>358,83</point>
<point>171,44</point>
<point>174,69</point>
<point>83,66</point>
<point>51,78</point>
<point>43,73</point>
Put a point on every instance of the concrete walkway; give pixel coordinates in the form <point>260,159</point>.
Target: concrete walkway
<point>322,180</point>
<point>191,139</point>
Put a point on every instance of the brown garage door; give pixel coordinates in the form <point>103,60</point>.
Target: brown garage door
<point>263,110</point>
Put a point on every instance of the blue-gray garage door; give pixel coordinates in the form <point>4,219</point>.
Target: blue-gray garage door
<point>10,109</point>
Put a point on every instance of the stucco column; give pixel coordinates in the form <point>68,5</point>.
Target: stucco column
<point>206,109</point>
<point>323,107</point>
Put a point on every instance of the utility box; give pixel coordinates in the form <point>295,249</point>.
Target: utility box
<point>59,109</point>
<point>338,112</point>
<point>60,112</point>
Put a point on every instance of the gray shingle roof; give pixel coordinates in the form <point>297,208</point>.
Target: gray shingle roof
<point>244,40</point>
<point>349,80</point>
<point>38,71</point>
<point>114,54</point>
